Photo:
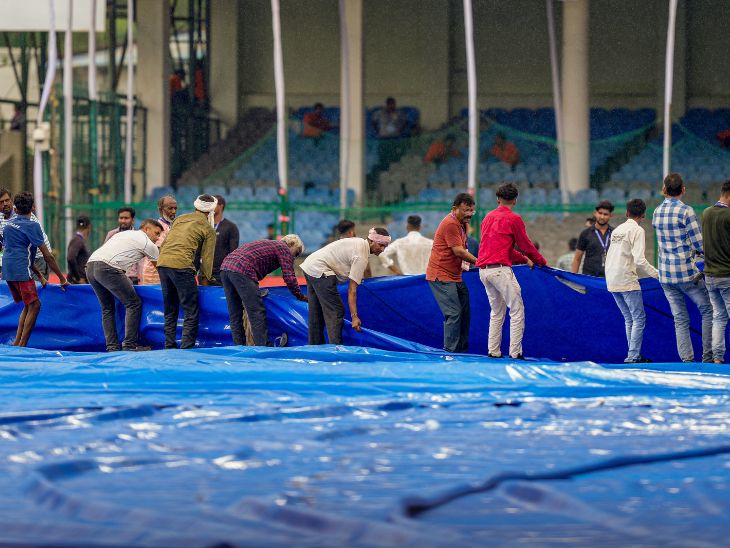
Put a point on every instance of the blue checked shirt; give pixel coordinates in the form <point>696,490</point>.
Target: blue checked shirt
<point>679,237</point>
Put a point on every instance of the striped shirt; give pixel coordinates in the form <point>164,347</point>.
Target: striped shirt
<point>4,221</point>
<point>257,259</point>
<point>679,237</point>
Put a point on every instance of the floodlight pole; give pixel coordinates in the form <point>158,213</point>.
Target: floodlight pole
<point>557,101</point>
<point>668,86</point>
<point>68,103</point>
<point>471,76</point>
<point>281,116</point>
<point>129,146</point>
<point>39,139</point>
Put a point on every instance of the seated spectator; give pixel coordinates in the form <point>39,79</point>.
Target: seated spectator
<point>565,261</point>
<point>18,120</point>
<point>724,138</point>
<point>315,123</point>
<point>441,151</point>
<point>505,151</point>
<point>389,122</point>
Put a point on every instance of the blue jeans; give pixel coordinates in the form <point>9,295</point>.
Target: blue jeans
<point>719,290</point>
<point>453,300</point>
<point>697,293</point>
<point>631,304</point>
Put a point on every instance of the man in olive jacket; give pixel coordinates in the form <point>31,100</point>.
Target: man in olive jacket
<point>189,235</point>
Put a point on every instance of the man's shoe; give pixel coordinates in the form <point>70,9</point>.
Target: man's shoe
<point>494,356</point>
<point>138,349</point>
<point>640,359</point>
<point>518,357</point>
<point>281,341</point>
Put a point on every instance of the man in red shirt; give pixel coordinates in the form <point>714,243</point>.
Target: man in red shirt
<point>502,232</point>
<point>449,256</point>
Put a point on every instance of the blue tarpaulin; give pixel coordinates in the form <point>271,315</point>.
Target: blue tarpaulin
<point>349,446</point>
<point>568,317</point>
<point>384,442</point>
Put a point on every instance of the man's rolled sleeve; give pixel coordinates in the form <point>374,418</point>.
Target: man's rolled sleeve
<point>287,272</point>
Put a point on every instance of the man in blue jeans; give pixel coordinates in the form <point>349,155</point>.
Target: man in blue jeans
<point>625,262</point>
<point>679,240</point>
<point>716,229</point>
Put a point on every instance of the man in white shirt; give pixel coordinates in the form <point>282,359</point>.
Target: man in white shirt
<point>341,260</point>
<point>625,261</point>
<point>411,252</point>
<point>106,272</point>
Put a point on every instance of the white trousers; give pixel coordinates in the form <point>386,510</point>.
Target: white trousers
<point>503,291</point>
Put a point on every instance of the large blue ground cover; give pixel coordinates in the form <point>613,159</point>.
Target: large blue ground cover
<point>341,446</point>
<point>386,442</point>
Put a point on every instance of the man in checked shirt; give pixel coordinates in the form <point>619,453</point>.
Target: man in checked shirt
<point>241,271</point>
<point>679,238</point>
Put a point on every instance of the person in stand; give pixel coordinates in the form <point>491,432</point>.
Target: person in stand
<point>345,228</point>
<point>21,237</point>
<point>167,206</point>
<point>411,252</point>
<point>678,240</point>
<point>315,123</point>
<point>441,151</point>
<point>241,272</point>
<point>716,232</point>
<point>504,151</point>
<point>565,261</point>
<point>625,262</point>
<point>342,260</point>
<point>191,235</point>
<point>449,257</point>
<point>593,243</point>
<point>226,238</point>
<point>78,253</point>
<point>107,271</point>
<point>502,231</point>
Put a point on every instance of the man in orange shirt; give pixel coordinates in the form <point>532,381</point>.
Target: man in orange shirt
<point>449,257</point>
<point>505,151</point>
<point>440,151</point>
<point>315,123</point>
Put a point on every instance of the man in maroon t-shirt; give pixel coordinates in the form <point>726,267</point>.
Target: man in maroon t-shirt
<point>502,232</point>
<point>449,256</point>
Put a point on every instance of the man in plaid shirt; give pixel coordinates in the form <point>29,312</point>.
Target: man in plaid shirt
<point>241,271</point>
<point>679,237</point>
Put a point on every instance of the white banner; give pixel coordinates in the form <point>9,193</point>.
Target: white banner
<point>34,15</point>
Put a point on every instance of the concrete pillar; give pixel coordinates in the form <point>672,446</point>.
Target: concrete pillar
<point>574,83</point>
<point>153,88</point>
<point>352,137</point>
<point>679,89</point>
<point>223,59</point>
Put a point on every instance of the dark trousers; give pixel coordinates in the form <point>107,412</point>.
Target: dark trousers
<point>179,288</point>
<point>325,309</point>
<point>42,266</point>
<point>109,284</point>
<point>453,300</point>
<point>243,293</point>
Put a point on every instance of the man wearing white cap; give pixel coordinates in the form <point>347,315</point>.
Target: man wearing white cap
<point>341,260</point>
<point>189,235</point>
